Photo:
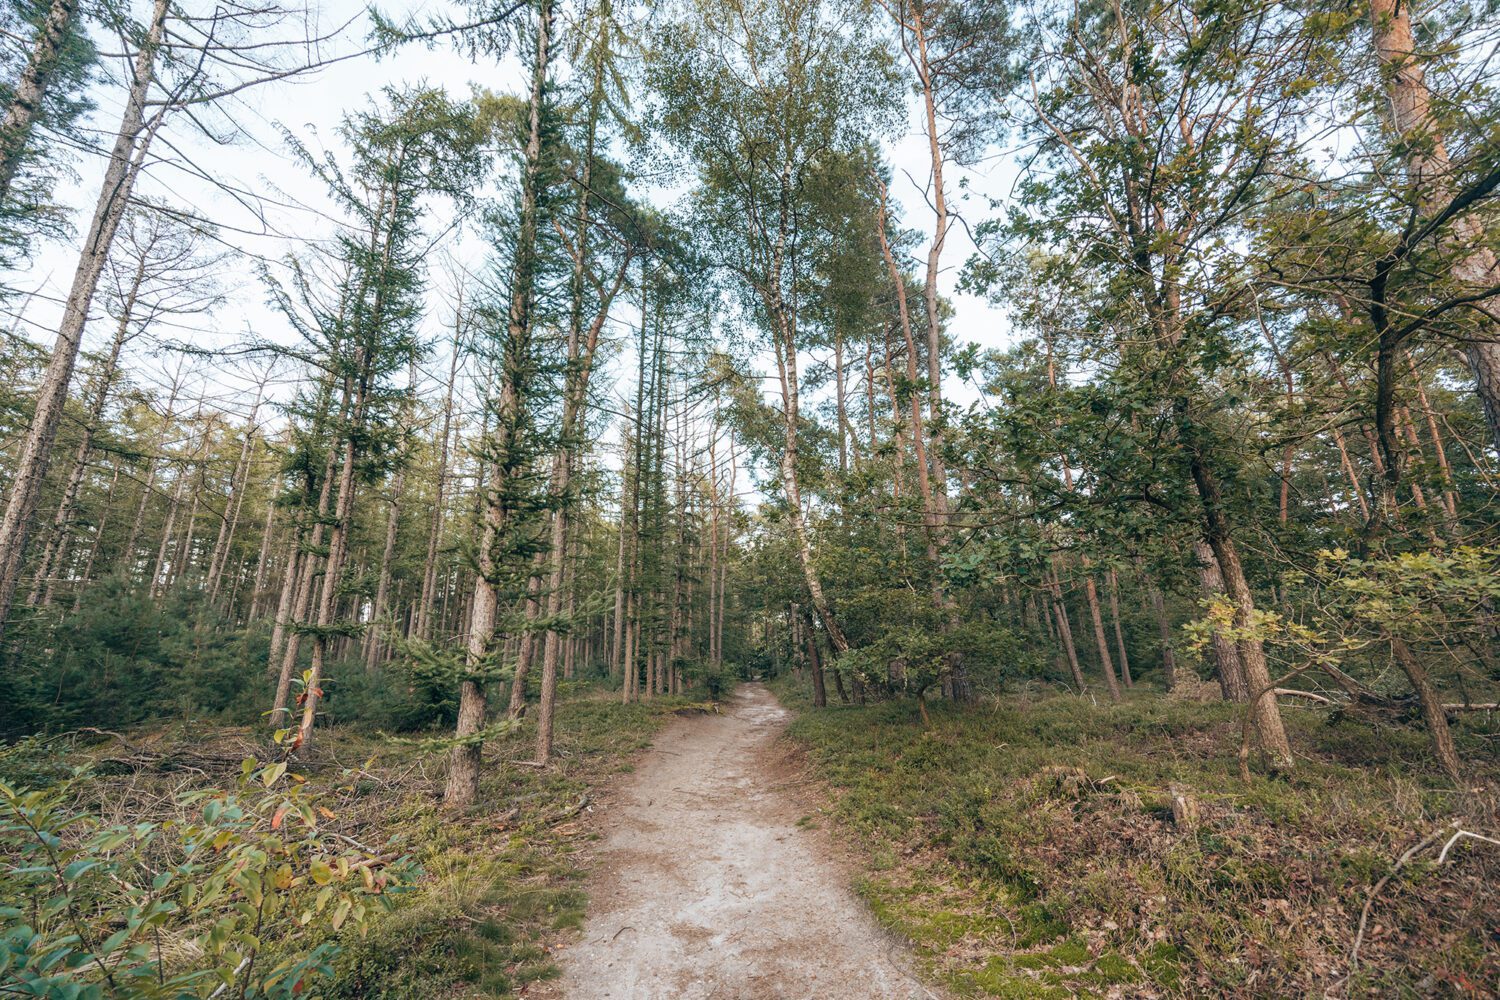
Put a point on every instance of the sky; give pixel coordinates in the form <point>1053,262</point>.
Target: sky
<point>269,205</point>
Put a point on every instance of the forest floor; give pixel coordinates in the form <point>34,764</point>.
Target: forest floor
<point>1026,847</point>
<point>498,886</point>
<point>711,882</point>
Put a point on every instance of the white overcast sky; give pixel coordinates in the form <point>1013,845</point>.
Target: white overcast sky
<point>311,107</point>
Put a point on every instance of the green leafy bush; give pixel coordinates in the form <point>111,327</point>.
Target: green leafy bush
<point>241,896</point>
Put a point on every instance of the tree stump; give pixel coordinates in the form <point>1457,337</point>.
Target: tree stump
<point>1185,810</point>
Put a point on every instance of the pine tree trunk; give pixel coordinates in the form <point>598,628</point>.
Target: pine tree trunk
<point>374,640</point>
<point>423,625</point>
<point>31,89</point>
<point>119,180</point>
<point>1114,613</point>
<point>87,573</point>
<point>238,481</point>
<point>1100,642</point>
<point>581,350</point>
<point>148,487</point>
<point>1431,176</point>
<point>57,545</point>
<point>463,772</point>
<point>1065,630</point>
<point>263,559</point>
<point>302,604</point>
<point>1450,498</point>
<point>333,566</point>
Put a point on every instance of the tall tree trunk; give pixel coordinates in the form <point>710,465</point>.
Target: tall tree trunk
<point>1431,176</point>
<point>786,363</point>
<point>379,611</point>
<point>634,472</point>
<point>582,347</point>
<point>617,649</point>
<point>379,627</point>
<point>463,770</point>
<point>435,525</point>
<point>31,89</point>
<point>1348,466</point>
<point>124,166</point>
<point>931,473</point>
<point>1114,613</point>
<point>526,647</point>
<point>263,559</point>
<point>302,603</point>
<point>1226,658</point>
<point>148,486</point>
<point>338,545</point>
<point>87,574</point>
<point>1257,674</point>
<point>55,552</point>
<point>1450,498</point>
<point>1432,708</point>
<point>724,549</point>
<point>162,569</point>
<point>1163,627</point>
<point>815,664</point>
<point>1065,629</point>
<point>238,481</point>
<point>1100,642</point>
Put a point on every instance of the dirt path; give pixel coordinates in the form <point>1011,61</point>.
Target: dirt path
<point>705,887</point>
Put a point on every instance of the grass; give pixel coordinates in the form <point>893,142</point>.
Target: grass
<point>1026,847</point>
<point>497,883</point>
<point>501,881</point>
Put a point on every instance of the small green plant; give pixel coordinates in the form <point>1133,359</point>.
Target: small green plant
<point>240,896</point>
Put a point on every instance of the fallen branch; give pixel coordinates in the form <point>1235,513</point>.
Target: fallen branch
<point>1455,838</point>
<point>1310,696</point>
<point>569,812</point>
<point>1402,862</point>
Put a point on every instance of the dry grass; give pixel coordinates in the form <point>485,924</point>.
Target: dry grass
<point>1027,847</point>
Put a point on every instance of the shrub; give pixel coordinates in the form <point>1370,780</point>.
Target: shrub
<point>242,894</point>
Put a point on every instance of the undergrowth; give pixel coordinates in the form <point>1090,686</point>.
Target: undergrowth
<point>1026,846</point>
<point>493,885</point>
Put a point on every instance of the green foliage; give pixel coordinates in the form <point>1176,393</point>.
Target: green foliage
<point>241,892</point>
<point>29,211</point>
<point>122,657</point>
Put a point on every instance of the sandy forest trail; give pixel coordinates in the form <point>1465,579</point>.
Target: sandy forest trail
<point>704,886</point>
